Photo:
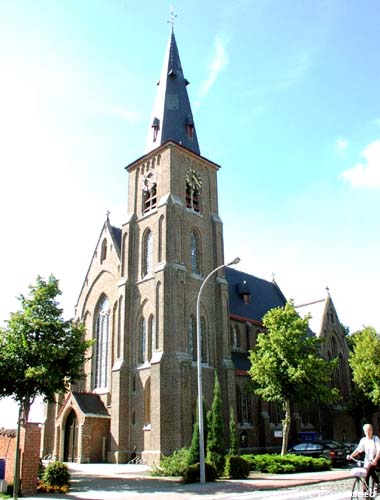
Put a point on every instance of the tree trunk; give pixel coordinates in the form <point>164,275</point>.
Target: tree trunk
<point>286,427</point>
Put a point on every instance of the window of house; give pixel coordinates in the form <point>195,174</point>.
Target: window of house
<point>195,252</point>
<point>102,344</point>
<point>147,252</point>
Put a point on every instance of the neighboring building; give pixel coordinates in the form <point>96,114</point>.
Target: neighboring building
<point>138,301</point>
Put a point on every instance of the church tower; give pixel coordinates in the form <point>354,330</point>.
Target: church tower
<point>172,239</point>
<point>138,301</point>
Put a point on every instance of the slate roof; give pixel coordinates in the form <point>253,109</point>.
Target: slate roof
<point>116,232</point>
<point>90,404</point>
<point>264,295</point>
<point>172,113</point>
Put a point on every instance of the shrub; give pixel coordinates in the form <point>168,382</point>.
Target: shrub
<point>278,464</point>
<point>172,465</point>
<point>236,467</point>
<point>56,474</point>
<point>192,475</point>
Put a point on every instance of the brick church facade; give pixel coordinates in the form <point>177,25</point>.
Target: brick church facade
<point>138,302</point>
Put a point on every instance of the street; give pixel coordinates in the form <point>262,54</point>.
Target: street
<point>336,490</point>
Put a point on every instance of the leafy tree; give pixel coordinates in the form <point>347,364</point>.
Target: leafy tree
<point>286,365</point>
<point>365,362</point>
<point>215,438</point>
<point>41,353</point>
<point>233,437</point>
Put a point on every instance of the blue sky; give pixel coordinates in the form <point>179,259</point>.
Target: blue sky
<point>285,96</point>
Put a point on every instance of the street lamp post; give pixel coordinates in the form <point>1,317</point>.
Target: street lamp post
<point>202,475</point>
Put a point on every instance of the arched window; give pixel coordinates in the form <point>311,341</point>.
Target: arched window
<point>102,344</point>
<point>143,341</point>
<point>149,191</point>
<point>147,266</point>
<point>151,337</point>
<point>236,338</point>
<point>103,253</point>
<point>195,253</point>
<point>192,338</point>
<point>204,350</point>
<point>193,189</point>
<point>244,414</point>
<point>334,348</point>
<point>160,238</point>
<point>147,403</point>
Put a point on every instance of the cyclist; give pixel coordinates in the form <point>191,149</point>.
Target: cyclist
<point>370,446</point>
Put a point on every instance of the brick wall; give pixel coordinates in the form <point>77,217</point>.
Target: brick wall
<point>7,451</point>
<point>30,437</point>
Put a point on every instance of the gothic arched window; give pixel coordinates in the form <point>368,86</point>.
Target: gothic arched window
<point>195,253</point>
<point>102,344</point>
<point>103,253</point>
<point>193,189</point>
<point>192,338</point>
<point>151,337</point>
<point>235,337</point>
<point>244,414</point>
<point>149,192</point>
<point>143,340</point>
<point>147,251</point>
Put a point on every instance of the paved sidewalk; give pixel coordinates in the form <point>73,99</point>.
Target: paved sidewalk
<point>133,482</point>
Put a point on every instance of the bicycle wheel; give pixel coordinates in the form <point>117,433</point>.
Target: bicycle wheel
<point>358,489</point>
<point>371,488</point>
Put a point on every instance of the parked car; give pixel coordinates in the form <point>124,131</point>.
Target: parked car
<point>333,450</point>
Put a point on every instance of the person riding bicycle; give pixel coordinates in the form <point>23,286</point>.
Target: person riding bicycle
<point>370,446</point>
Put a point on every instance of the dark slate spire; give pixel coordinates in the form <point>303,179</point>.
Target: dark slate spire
<point>172,118</point>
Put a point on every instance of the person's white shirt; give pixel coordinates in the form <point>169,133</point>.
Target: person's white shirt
<point>369,446</point>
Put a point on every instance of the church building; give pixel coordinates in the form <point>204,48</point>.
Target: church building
<point>138,302</point>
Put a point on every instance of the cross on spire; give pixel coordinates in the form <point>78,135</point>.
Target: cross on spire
<point>172,17</point>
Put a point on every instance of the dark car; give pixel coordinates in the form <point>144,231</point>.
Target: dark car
<point>333,450</point>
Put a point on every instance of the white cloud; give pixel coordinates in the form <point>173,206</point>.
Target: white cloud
<point>219,62</point>
<point>341,144</point>
<point>366,173</point>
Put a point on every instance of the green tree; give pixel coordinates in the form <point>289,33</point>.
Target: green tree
<point>365,362</point>
<point>216,447</point>
<point>286,365</point>
<point>233,436</point>
<point>41,353</point>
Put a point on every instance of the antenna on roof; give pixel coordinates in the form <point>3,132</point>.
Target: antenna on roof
<point>172,17</point>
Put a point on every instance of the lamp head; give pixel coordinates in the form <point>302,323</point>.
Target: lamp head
<point>235,261</point>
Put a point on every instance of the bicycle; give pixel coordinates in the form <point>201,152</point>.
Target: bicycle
<point>360,488</point>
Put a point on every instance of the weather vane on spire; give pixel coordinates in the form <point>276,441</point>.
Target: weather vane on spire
<point>172,17</point>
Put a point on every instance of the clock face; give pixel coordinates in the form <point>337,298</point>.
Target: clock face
<point>193,179</point>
